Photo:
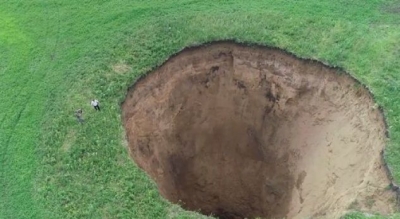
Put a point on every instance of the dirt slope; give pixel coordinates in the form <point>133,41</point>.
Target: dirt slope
<point>243,132</point>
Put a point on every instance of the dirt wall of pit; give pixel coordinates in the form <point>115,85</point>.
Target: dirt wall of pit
<point>241,131</point>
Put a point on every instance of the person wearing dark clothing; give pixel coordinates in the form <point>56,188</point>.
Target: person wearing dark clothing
<point>79,115</point>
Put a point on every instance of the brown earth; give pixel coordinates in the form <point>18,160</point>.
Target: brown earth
<point>240,131</point>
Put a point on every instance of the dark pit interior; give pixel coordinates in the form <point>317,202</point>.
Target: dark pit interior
<point>238,131</point>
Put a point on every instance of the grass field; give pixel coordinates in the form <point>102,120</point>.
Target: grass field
<point>57,55</point>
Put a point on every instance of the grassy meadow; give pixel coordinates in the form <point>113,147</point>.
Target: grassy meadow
<point>55,56</point>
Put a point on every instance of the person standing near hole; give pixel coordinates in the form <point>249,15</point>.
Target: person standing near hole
<point>79,115</point>
<point>95,103</point>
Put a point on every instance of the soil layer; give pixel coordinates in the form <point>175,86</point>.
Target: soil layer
<point>240,131</point>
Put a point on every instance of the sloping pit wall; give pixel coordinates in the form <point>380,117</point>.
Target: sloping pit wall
<point>238,130</point>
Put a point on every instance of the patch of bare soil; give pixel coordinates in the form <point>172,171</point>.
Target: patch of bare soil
<point>121,68</point>
<point>240,131</point>
<point>392,7</point>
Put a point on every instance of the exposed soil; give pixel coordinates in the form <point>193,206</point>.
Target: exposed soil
<point>240,131</point>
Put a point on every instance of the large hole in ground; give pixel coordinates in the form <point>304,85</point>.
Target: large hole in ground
<point>238,131</point>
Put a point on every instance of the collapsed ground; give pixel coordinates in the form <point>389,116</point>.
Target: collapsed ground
<point>241,132</point>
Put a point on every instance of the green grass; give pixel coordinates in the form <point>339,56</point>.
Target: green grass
<point>56,55</point>
<point>358,215</point>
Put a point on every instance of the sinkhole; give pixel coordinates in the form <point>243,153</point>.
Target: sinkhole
<point>240,131</point>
